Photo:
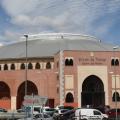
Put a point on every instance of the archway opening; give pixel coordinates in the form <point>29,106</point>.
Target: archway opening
<point>93,92</point>
<point>31,89</point>
<point>5,100</point>
<point>4,91</point>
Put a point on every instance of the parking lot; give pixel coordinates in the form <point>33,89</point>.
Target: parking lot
<point>60,113</point>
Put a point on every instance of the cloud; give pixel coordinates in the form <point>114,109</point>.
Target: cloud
<point>15,7</point>
<point>10,37</point>
<point>24,20</point>
<point>61,15</point>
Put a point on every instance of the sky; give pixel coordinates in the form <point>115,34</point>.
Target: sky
<point>99,18</point>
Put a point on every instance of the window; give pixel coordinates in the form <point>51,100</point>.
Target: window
<point>112,62</point>
<point>37,66</point>
<point>30,66</point>
<point>22,67</point>
<point>12,67</point>
<point>5,67</point>
<point>69,62</point>
<point>115,62</point>
<point>69,97</point>
<point>48,65</point>
<point>0,67</point>
<point>117,97</point>
<point>66,62</point>
<point>96,112</point>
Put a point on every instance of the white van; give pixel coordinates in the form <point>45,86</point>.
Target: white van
<point>89,114</point>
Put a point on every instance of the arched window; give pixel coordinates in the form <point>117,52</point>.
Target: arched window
<point>117,62</point>
<point>112,62</point>
<point>69,98</point>
<point>37,66</point>
<point>66,62</point>
<point>5,67</point>
<point>71,62</point>
<point>48,65</point>
<point>30,66</point>
<point>116,94</point>
<point>22,67</point>
<point>12,67</point>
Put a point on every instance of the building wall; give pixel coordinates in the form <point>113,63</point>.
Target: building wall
<point>47,81</point>
<point>93,63</point>
<point>44,79</point>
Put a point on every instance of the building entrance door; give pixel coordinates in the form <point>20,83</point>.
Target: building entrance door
<point>93,92</point>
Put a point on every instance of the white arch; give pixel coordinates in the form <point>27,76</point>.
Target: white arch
<point>85,71</point>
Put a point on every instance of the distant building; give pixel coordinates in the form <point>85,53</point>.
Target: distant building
<point>69,69</point>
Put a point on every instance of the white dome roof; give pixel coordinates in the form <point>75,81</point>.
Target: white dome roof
<point>47,45</point>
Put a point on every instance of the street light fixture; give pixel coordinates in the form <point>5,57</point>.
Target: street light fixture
<point>114,49</point>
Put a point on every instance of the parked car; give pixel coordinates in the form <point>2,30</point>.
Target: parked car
<point>112,113</point>
<point>49,111</point>
<point>42,116</point>
<point>87,113</point>
<point>3,110</point>
<point>59,112</point>
<point>20,110</point>
<point>68,115</point>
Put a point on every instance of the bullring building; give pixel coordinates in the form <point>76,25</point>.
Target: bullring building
<point>70,69</point>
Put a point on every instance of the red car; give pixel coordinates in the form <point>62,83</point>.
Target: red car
<point>112,113</point>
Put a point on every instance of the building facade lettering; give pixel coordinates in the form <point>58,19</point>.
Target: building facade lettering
<point>92,61</point>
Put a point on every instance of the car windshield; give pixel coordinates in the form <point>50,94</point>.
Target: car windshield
<point>50,109</point>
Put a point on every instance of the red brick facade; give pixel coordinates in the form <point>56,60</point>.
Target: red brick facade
<point>84,66</point>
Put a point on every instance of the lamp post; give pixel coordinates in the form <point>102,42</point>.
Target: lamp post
<point>26,68</point>
<point>114,49</point>
<point>26,59</point>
